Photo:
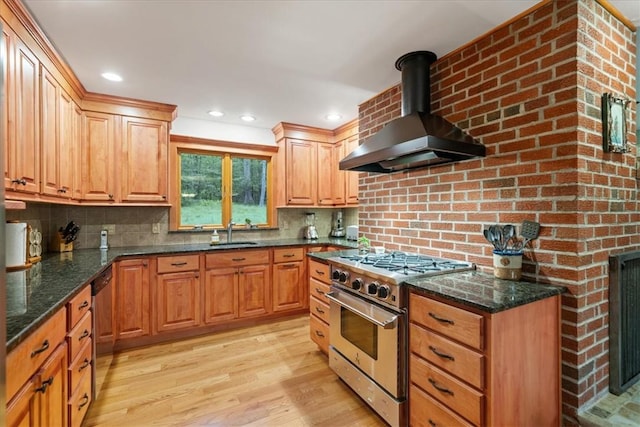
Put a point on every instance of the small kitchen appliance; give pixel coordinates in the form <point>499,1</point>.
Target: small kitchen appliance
<point>310,231</point>
<point>337,230</point>
<point>352,232</point>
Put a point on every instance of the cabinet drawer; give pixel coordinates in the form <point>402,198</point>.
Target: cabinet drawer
<point>319,332</point>
<point>319,309</point>
<point>424,411</point>
<point>79,335</point>
<point>80,366</point>
<point>79,402</point>
<point>459,397</point>
<point>171,264</point>
<point>319,290</point>
<point>288,254</point>
<point>24,360</point>
<point>237,258</point>
<point>78,306</point>
<point>461,325</point>
<point>464,363</point>
<point>320,271</point>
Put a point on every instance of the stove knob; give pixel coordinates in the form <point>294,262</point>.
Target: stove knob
<point>384,292</point>
<point>335,274</point>
<point>357,284</point>
<point>344,276</point>
<point>372,288</point>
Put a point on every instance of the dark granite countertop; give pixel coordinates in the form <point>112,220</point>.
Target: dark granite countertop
<point>484,291</point>
<point>473,288</point>
<point>35,294</point>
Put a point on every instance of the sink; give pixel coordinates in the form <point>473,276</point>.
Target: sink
<point>238,243</point>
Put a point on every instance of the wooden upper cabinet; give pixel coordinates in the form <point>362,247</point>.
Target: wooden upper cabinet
<point>22,167</point>
<point>326,171</point>
<point>301,177</point>
<point>338,177</point>
<point>144,160</point>
<point>57,132</point>
<point>98,157</point>
<point>352,179</point>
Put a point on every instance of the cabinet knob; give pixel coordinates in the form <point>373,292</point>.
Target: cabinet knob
<point>111,196</point>
<point>164,196</point>
<point>20,181</point>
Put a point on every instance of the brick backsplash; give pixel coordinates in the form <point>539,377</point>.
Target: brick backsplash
<point>530,92</point>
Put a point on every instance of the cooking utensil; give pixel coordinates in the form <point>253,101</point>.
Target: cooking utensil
<point>529,231</point>
<point>495,236</point>
<point>508,233</point>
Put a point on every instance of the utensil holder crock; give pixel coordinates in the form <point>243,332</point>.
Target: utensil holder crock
<point>507,265</point>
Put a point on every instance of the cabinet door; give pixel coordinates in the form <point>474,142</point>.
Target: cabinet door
<point>289,286</point>
<point>98,157</point>
<point>23,149</point>
<point>177,301</point>
<point>352,178</point>
<point>144,160</point>
<point>132,299</point>
<point>339,178</point>
<point>8,104</point>
<point>50,140</point>
<point>66,144</point>
<point>77,144</point>
<point>301,172</point>
<point>53,389</point>
<point>326,173</point>
<point>220,295</point>
<point>254,290</point>
<point>22,410</point>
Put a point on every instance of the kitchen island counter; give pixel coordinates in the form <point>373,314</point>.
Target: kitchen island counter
<point>35,294</point>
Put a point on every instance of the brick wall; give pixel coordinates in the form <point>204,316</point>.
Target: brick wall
<point>530,92</point>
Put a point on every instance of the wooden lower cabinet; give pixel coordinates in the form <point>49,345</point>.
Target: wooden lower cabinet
<point>132,298</point>
<point>472,368</point>
<point>254,291</point>
<point>319,283</point>
<point>37,387</point>
<point>289,284</point>
<point>220,295</point>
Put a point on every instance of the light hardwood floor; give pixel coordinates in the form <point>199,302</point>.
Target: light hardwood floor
<point>267,375</point>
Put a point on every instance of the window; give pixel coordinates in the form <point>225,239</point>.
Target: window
<point>215,187</point>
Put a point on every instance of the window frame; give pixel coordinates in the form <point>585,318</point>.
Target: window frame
<point>227,149</point>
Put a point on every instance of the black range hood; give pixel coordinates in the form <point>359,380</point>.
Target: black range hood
<point>418,139</point>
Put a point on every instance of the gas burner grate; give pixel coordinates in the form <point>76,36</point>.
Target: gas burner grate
<point>404,263</point>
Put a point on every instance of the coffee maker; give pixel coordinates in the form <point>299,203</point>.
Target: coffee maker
<point>310,231</point>
<point>337,230</point>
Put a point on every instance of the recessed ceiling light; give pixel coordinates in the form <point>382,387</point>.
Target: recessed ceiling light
<point>112,77</point>
<point>247,118</point>
<point>216,113</point>
<point>333,117</point>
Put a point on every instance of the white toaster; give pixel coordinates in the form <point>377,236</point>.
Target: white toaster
<point>352,232</point>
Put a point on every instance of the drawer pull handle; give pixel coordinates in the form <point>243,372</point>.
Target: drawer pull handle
<point>319,310</point>
<point>320,334</point>
<point>439,387</point>
<point>46,383</point>
<point>288,266</point>
<point>289,255</point>
<point>440,354</point>
<point>432,423</point>
<point>238,259</point>
<point>44,347</point>
<point>84,335</point>
<point>179,264</point>
<point>84,304</point>
<point>318,290</point>
<point>85,400</point>
<point>441,319</point>
<point>86,363</point>
<point>320,273</point>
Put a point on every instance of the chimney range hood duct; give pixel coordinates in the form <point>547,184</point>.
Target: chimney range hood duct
<point>418,139</point>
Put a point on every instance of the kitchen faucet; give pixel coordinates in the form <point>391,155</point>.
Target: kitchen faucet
<point>229,230</point>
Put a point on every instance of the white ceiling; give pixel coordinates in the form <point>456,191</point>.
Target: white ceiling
<point>292,61</point>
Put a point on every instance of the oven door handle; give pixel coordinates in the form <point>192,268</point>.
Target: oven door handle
<point>377,315</point>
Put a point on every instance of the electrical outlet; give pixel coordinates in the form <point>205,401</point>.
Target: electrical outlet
<point>155,228</point>
<point>111,228</point>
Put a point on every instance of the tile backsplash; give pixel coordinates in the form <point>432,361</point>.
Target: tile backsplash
<point>133,225</point>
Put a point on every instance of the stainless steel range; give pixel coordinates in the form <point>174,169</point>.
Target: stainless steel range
<point>368,331</point>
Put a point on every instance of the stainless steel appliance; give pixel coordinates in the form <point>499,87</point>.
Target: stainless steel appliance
<point>368,331</point>
<point>101,291</point>
<point>337,229</point>
<point>310,231</point>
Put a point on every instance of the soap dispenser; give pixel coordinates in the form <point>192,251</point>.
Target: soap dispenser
<point>215,238</point>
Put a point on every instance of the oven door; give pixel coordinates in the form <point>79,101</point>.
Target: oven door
<point>369,337</point>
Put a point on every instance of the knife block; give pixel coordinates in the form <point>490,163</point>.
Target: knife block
<point>59,245</point>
